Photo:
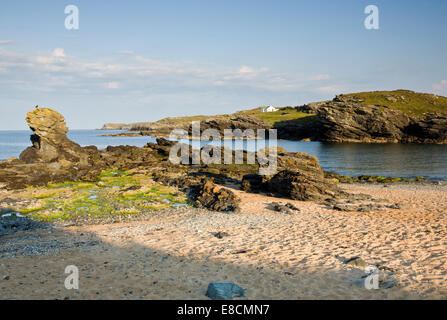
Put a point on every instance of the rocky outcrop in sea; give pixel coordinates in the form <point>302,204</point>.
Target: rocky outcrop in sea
<point>54,158</point>
<point>350,120</point>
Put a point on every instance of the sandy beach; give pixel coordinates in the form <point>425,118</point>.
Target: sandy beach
<point>175,253</point>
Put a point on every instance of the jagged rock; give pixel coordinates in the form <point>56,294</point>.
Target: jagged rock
<point>287,208</point>
<point>214,198</point>
<point>239,121</point>
<point>345,119</point>
<point>297,176</point>
<point>299,185</point>
<point>432,129</point>
<point>50,142</point>
<point>54,158</point>
<point>350,122</point>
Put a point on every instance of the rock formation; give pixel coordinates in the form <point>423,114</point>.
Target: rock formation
<point>346,122</point>
<point>50,142</point>
<point>350,120</point>
<point>239,121</point>
<point>54,158</point>
<point>210,196</point>
<point>298,176</point>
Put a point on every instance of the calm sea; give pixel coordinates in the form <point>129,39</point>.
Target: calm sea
<point>353,159</point>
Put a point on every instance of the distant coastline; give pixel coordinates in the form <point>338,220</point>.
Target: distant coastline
<point>399,116</point>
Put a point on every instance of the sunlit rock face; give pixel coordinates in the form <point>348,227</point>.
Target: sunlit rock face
<point>50,142</point>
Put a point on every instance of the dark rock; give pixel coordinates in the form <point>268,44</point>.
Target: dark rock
<point>432,129</point>
<point>214,198</point>
<point>252,182</point>
<point>220,235</point>
<point>300,185</point>
<point>224,291</point>
<point>165,142</point>
<point>238,121</point>
<point>284,208</point>
<point>297,176</point>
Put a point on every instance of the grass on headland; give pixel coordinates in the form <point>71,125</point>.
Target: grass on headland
<point>412,103</point>
<point>276,117</point>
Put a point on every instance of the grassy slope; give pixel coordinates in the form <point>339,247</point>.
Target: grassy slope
<point>284,114</point>
<point>412,103</point>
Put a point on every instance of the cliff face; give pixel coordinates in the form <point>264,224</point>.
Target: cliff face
<point>348,120</point>
<point>242,122</point>
<point>341,122</point>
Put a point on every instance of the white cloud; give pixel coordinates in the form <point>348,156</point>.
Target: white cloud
<point>5,42</point>
<point>440,87</point>
<point>59,52</point>
<point>319,77</point>
<point>112,85</point>
<point>129,52</point>
<point>57,70</point>
<point>246,69</point>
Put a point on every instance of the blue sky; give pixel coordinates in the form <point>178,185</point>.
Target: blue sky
<point>144,60</point>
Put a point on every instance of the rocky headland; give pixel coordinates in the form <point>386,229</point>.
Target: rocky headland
<point>345,119</point>
<point>399,116</point>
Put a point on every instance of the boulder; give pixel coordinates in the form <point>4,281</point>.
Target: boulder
<point>210,196</point>
<point>297,176</point>
<point>224,291</point>
<point>300,185</point>
<point>287,208</point>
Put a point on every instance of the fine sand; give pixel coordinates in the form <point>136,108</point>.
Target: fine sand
<point>272,255</point>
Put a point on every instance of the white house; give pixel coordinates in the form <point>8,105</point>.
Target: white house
<point>268,109</point>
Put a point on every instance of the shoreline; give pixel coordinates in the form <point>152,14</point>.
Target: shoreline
<point>271,255</point>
